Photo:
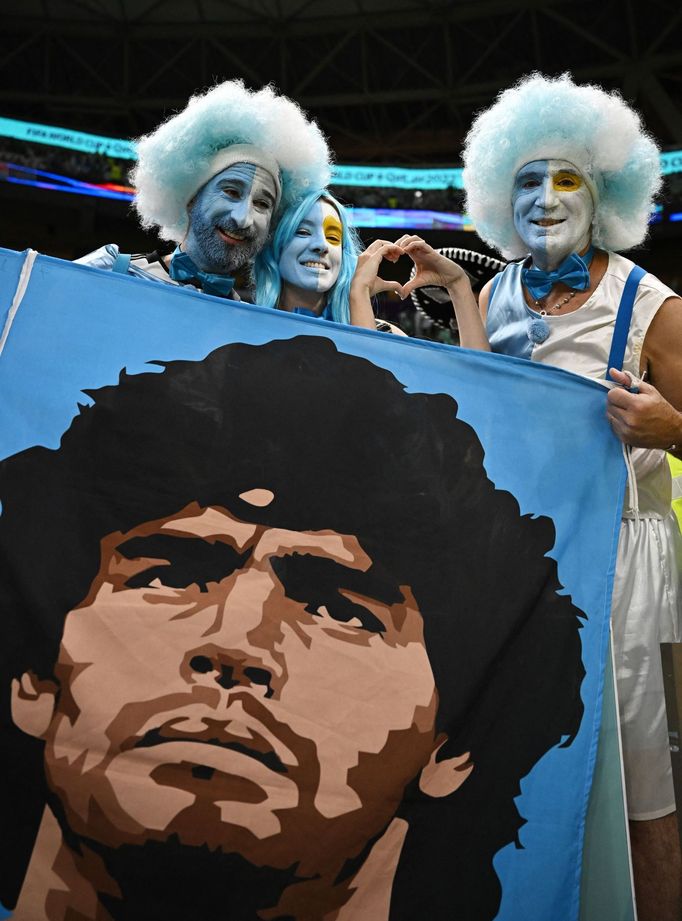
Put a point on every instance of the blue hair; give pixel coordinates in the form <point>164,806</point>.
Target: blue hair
<point>266,268</point>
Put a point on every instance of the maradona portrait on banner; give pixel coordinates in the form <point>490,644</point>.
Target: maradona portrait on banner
<point>273,646</point>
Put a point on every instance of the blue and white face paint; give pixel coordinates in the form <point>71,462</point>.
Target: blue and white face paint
<point>311,261</point>
<point>553,211</point>
<point>229,218</point>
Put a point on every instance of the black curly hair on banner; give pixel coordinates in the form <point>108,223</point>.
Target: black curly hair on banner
<point>343,447</point>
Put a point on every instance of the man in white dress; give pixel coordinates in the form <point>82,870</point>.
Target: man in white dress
<point>567,174</point>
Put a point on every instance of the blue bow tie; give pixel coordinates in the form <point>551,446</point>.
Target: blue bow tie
<point>184,270</point>
<point>573,271</point>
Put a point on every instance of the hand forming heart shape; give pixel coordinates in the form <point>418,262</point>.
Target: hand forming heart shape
<point>432,268</point>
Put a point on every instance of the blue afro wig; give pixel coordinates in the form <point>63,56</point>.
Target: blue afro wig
<point>543,118</point>
<point>174,159</point>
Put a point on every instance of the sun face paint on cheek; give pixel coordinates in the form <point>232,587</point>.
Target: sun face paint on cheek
<point>333,231</point>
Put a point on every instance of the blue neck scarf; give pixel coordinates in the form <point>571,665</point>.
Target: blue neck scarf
<point>573,271</point>
<point>183,269</point>
<point>305,312</point>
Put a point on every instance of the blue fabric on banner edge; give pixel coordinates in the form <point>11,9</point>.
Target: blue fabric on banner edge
<point>400,341</point>
<point>14,262</point>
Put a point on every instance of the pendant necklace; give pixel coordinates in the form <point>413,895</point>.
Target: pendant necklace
<point>538,328</point>
<point>544,311</point>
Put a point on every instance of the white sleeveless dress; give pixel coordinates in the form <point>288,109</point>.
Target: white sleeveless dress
<point>647,591</point>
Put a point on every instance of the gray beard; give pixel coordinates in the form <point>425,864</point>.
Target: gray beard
<point>213,255</point>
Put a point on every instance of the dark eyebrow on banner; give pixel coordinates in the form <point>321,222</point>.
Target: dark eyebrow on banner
<point>173,549</point>
<point>302,572</point>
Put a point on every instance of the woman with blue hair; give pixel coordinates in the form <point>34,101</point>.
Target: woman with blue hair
<point>310,265</point>
<point>560,177</point>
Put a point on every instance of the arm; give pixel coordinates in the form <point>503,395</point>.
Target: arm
<point>435,269</point>
<point>366,282</point>
<point>102,258</point>
<point>652,418</point>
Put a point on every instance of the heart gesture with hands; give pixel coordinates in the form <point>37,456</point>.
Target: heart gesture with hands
<point>366,277</point>
<point>367,282</point>
<point>432,268</point>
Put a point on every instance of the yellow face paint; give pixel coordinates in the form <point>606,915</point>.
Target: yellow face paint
<point>563,181</point>
<point>332,229</point>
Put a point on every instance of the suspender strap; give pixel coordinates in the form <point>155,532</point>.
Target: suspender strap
<point>622,327</point>
<point>121,263</point>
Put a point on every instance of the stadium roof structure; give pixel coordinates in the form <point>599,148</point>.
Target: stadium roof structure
<point>390,81</point>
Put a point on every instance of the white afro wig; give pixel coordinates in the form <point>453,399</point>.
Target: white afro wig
<point>544,118</point>
<point>175,160</point>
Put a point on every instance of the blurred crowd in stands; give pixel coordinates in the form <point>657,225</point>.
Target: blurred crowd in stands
<point>86,166</point>
<point>451,200</point>
<point>99,168</point>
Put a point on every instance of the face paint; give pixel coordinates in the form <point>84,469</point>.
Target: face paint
<point>553,210</point>
<point>230,218</point>
<point>312,259</point>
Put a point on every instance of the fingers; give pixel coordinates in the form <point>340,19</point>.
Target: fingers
<point>381,284</point>
<point>420,247</point>
<point>385,248</point>
<point>407,239</point>
<point>643,418</point>
<point>366,277</point>
<point>620,428</point>
<point>623,399</point>
<point>409,287</point>
<point>625,424</point>
<point>414,246</point>
<point>624,378</point>
<point>376,244</point>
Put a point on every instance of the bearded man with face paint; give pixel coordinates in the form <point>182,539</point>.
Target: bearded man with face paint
<point>213,178</point>
<point>560,177</point>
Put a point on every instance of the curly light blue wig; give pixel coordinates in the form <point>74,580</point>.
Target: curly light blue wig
<point>543,118</point>
<point>174,161</point>
<point>268,279</point>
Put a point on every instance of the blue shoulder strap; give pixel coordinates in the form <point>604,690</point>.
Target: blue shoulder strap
<point>121,263</point>
<point>622,327</point>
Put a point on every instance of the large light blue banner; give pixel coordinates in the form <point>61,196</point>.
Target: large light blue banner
<point>300,621</point>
